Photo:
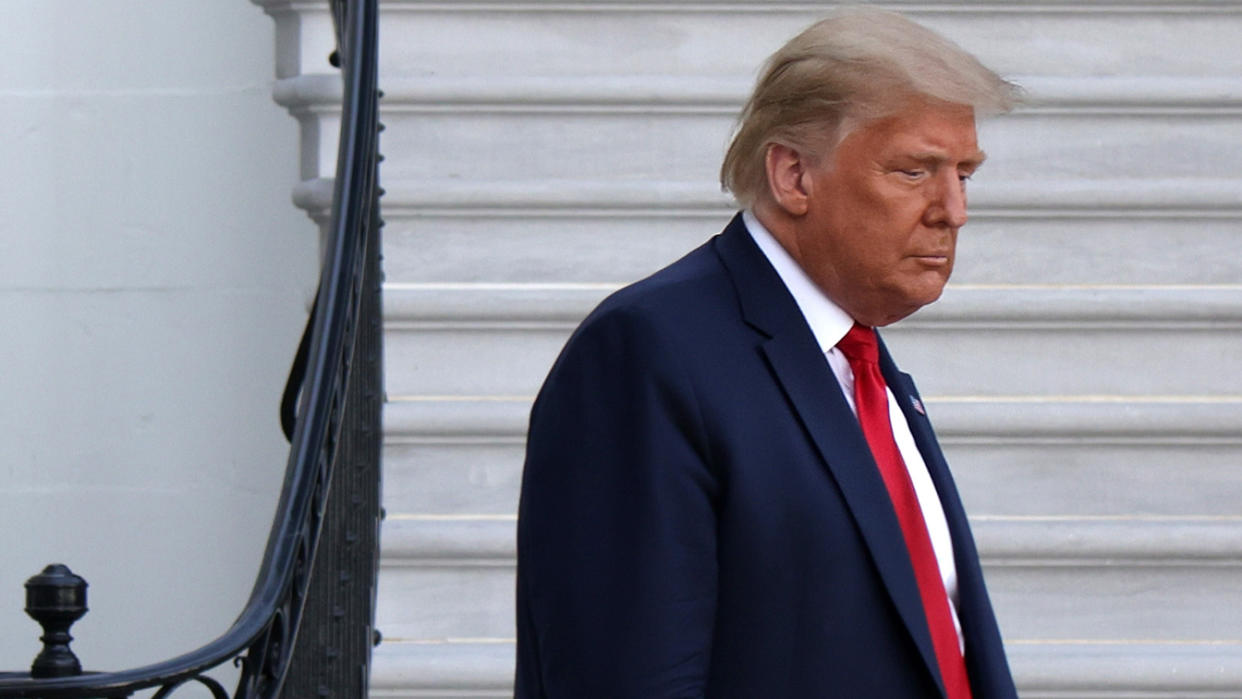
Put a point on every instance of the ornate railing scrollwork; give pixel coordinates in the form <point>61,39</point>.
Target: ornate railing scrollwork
<point>217,689</point>
<point>307,628</point>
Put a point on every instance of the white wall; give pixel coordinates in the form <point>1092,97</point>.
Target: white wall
<point>154,277</point>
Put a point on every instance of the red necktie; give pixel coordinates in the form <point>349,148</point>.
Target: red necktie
<point>871,399</point>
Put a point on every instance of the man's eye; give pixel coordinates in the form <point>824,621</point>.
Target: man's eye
<point>913,174</point>
<point>963,178</point>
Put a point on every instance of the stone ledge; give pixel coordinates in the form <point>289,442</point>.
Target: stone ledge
<point>442,669</point>
<point>687,94</point>
<point>1043,669</point>
<point>462,541</point>
<point>1127,670</point>
<point>1093,198</point>
<point>499,305</point>
<point>1213,198</point>
<point>1130,419</point>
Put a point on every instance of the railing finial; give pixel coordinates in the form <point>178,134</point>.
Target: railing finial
<point>56,598</point>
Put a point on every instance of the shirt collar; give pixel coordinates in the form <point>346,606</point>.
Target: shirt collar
<point>828,321</point>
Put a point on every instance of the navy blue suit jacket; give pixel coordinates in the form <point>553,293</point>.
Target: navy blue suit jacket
<point>701,515</point>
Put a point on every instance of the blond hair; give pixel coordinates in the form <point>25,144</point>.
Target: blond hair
<point>856,65</point>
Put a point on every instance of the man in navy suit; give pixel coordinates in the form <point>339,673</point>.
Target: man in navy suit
<point>708,509</point>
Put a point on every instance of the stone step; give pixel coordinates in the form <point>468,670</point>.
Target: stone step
<point>632,141</point>
<point>731,37</point>
<point>497,339</point>
<point>1084,456</point>
<point>456,669</point>
<point>1043,670</point>
<point>1019,232</point>
<point>1170,578</point>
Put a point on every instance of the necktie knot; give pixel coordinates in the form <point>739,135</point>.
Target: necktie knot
<point>859,345</point>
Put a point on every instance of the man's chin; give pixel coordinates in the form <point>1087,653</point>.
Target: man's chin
<point>898,311</point>
<point>929,291</point>
<point>895,316</point>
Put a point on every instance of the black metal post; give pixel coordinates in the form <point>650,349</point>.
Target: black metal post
<point>56,598</point>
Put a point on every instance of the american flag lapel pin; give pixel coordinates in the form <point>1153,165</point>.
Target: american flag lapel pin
<point>918,406</point>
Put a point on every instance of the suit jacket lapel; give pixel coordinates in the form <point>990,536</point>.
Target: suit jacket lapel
<point>965,557</point>
<point>985,654</point>
<point>803,373</point>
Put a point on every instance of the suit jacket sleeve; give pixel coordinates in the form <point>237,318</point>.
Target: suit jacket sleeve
<point>616,533</point>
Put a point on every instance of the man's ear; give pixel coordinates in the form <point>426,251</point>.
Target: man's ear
<point>785,167</point>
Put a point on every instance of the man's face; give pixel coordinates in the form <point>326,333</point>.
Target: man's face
<point>884,209</point>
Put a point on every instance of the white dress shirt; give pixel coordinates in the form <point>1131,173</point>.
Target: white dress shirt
<point>829,323</point>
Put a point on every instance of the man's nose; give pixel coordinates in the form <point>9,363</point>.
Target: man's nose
<point>948,205</point>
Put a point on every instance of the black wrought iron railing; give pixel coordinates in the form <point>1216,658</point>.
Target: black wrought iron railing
<point>306,630</point>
